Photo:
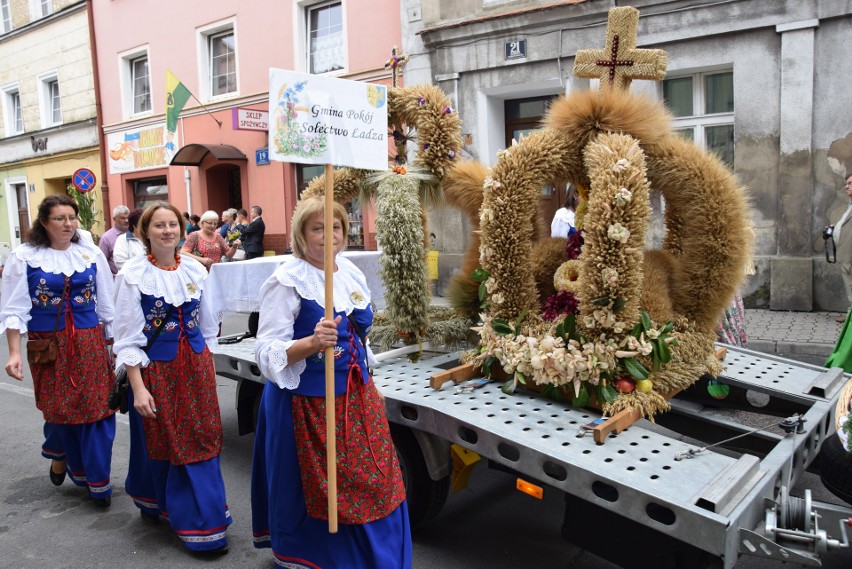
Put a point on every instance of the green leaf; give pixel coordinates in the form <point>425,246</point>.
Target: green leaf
<point>635,368</point>
<point>665,352</point>
<point>582,399</point>
<point>655,358</point>
<point>637,330</point>
<point>520,377</point>
<point>560,329</point>
<point>501,327</point>
<point>601,301</point>
<point>480,275</point>
<point>520,318</point>
<point>570,326</point>
<point>487,364</point>
<point>482,292</point>
<point>646,321</point>
<point>667,328</point>
<point>508,388</point>
<point>605,393</point>
<point>618,305</point>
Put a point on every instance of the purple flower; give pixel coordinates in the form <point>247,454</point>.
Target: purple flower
<point>425,147</point>
<point>448,110</point>
<point>559,304</point>
<point>421,101</point>
<point>574,245</point>
<point>451,153</point>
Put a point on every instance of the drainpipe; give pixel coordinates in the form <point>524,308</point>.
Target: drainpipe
<point>188,189</point>
<point>99,119</point>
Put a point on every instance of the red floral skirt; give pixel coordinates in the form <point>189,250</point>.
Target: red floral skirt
<point>369,481</point>
<point>74,389</point>
<point>187,427</point>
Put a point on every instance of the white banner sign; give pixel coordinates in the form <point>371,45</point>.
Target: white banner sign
<point>321,120</point>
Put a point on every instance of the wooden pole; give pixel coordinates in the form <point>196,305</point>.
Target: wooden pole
<point>330,435</point>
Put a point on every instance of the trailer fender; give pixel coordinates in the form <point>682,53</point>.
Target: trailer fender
<point>435,452</point>
<point>248,403</point>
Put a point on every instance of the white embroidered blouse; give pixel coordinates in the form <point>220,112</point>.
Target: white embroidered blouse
<point>138,277</point>
<point>16,303</point>
<point>280,302</point>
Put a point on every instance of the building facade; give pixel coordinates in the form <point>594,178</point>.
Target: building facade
<point>759,83</point>
<point>48,123</point>
<point>222,52</point>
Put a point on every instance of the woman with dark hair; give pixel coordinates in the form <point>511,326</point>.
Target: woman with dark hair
<point>128,245</point>
<point>563,224</point>
<point>164,332</point>
<point>58,288</point>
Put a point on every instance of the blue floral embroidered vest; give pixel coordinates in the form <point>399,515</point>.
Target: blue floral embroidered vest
<point>312,380</point>
<point>182,322</point>
<point>46,293</point>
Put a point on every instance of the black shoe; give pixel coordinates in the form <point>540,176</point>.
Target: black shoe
<point>57,479</point>
<point>102,502</point>
<point>149,519</point>
<point>210,553</point>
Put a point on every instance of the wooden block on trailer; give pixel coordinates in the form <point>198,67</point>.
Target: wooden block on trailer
<point>616,423</point>
<point>456,375</point>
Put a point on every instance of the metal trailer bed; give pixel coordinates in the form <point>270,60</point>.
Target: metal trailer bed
<point>714,504</point>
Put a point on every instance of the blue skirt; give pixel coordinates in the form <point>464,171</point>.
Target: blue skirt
<point>279,516</point>
<point>190,496</point>
<point>87,450</point>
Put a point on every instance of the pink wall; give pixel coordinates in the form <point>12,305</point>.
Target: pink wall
<point>264,35</point>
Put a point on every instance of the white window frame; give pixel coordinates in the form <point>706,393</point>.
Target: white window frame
<point>46,99</point>
<point>6,15</point>
<point>9,118</point>
<point>40,9</point>
<point>700,120</point>
<point>301,49</point>
<point>125,74</point>
<point>204,58</point>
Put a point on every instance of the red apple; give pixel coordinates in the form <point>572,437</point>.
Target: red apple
<point>623,385</point>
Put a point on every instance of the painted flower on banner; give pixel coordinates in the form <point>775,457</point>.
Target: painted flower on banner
<point>289,138</point>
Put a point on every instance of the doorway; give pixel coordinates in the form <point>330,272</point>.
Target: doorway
<point>224,187</point>
<point>523,116</point>
<point>17,202</point>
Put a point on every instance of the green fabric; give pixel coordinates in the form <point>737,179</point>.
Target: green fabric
<point>176,97</point>
<point>842,354</point>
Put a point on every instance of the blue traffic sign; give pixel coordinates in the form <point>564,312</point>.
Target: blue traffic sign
<point>84,180</point>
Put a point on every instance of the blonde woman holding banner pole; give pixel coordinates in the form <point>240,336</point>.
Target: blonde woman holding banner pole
<point>289,477</point>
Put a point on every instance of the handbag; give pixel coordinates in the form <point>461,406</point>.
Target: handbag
<point>43,352</point>
<point>119,396</point>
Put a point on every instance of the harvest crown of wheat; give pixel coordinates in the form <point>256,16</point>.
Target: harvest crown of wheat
<point>597,318</point>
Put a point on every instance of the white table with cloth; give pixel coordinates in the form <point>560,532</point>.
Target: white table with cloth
<point>235,287</point>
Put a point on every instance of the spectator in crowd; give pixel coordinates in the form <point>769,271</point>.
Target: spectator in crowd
<point>58,289</point>
<point>229,219</point>
<point>195,223</point>
<point>129,245</point>
<point>207,246</point>
<point>252,234</point>
<point>165,331</point>
<point>119,226</point>
<point>842,235</point>
<point>563,221</point>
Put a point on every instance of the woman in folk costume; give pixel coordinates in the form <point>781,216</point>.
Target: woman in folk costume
<point>289,486</point>
<point>58,286</point>
<point>164,328</point>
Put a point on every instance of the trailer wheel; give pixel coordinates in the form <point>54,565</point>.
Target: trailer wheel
<point>835,468</point>
<point>425,496</point>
